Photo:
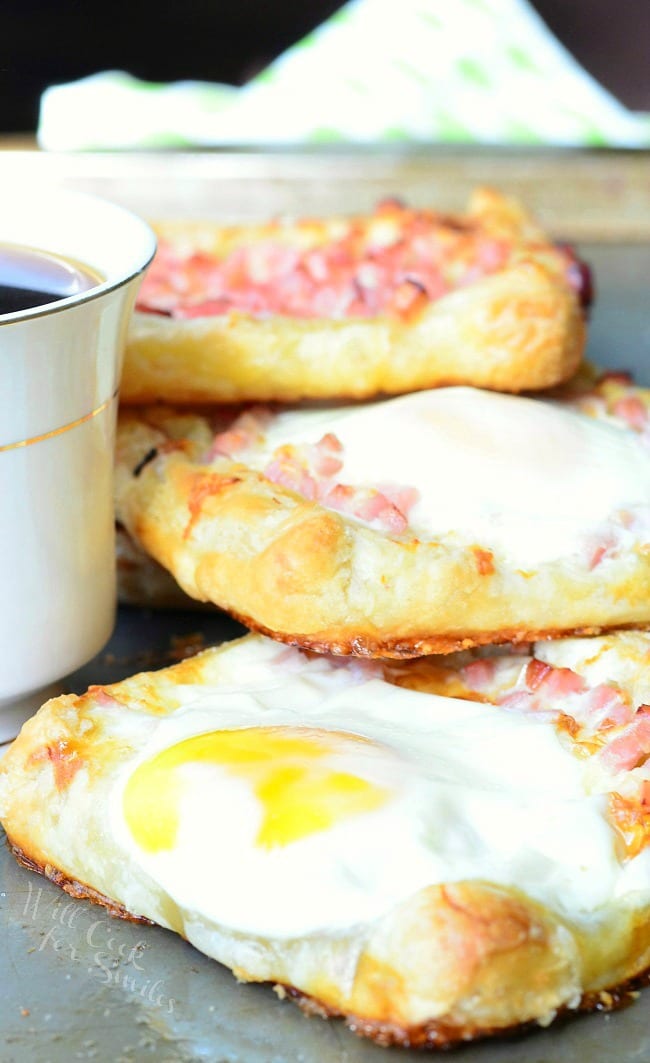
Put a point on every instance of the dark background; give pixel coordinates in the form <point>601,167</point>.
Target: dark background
<point>45,42</point>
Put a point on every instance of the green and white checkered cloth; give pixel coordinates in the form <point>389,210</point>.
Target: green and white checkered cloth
<point>441,71</point>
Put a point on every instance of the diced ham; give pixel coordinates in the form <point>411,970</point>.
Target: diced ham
<point>594,708</point>
<point>377,509</point>
<point>479,675</point>
<point>403,498</point>
<point>328,465</point>
<point>368,505</point>
<point>560,682</point>
<point>291,469</point>
<point>631,747</point>
<point>403,260</point>
<point>246,431</point>
<point>339,496</point>
<point>206,308</point>
<point>229,443</point>
<point>492,254</point>
<point>325,455</point>
<point>524,702</point>
<point>606,706</point>
<point>536,672</point>
<point>598,551</point>
<point>632,410</point>
<point>544,689</point>
<point>102,698</point>
<point>287,472</point>
<point>311,470</point>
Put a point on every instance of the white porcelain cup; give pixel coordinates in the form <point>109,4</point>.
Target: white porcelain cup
<point>60,367</point>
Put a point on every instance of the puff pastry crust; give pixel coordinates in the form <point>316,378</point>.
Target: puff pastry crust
<point>512,320</point>
<point>455,960</point>
<point>242,536</point>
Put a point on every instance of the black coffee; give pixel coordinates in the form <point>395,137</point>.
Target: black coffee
<point>30,278</point>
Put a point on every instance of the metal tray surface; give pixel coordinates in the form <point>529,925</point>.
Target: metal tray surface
<point>80,985</point>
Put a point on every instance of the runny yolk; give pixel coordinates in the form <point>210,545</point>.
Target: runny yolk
<point>288,768</point>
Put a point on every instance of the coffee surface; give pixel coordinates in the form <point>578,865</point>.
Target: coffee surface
<point>30,278</point>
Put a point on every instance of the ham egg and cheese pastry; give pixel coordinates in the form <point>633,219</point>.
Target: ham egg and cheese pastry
<point>433,869</point>
<point>426,523</point>
<point>353,307</point>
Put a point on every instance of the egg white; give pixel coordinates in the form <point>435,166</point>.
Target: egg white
<point>471,792</point>
<point>532,480</point>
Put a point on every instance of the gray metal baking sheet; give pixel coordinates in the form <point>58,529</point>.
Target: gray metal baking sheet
<point>78,985</point>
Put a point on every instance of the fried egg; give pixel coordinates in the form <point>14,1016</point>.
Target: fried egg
<point>431,867</point>
<point>260,801</point>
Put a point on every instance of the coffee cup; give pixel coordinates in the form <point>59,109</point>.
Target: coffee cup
<point>60,365</point>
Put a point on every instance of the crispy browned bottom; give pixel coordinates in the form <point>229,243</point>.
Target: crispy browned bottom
<point>422,646</point>
<point>438,1035</point>
<point>75,889</point>
<point>429,1035</point>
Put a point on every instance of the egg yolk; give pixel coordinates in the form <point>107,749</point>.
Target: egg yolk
<point>287,767</point>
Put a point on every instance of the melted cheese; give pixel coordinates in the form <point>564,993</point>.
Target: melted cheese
<point>295,795</point>
<point>531,480</point>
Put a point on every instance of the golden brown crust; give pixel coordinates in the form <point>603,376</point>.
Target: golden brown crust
<point>308,576</point>
<point>520,328</point>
